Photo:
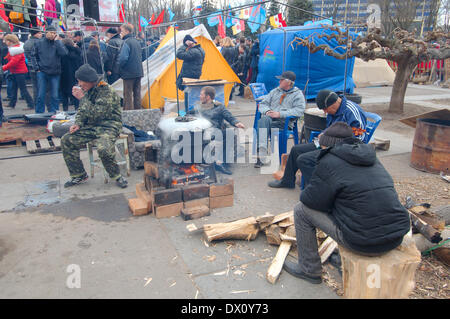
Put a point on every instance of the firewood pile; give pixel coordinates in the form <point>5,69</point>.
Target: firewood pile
<point>279,230</point>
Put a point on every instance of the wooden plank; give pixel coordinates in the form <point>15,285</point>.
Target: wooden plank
<point>440,114</point>
<point>327,248</point>
<point>241,229</point>
<point>31,146</point>
<point>45,145</point>
<point>57,142</point>
<point>277,263</point>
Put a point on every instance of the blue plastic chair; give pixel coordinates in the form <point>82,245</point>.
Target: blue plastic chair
<point>258,91</point>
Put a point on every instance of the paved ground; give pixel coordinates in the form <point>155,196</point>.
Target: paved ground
<point>45,228</point>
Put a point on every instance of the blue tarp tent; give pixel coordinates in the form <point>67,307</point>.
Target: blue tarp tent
<point>323,71</point>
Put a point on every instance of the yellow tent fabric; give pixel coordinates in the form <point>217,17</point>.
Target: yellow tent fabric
<point>215,67</point>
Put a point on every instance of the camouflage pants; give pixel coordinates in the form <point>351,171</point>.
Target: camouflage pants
<point>104,140</point>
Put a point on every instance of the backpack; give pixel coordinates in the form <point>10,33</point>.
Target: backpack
<point>17,17</point>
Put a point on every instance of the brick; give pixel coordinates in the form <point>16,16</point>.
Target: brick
<point>167,196</point>
<point>222,189</point>
<point>195,212</point>
<point>196,191</point>
<point>150,153</point>
<point>168,210</point>
<point>144,195</point>
<point>221,201</point>
<point>151,169</point>
<point>196,202</point>
<point>137,206</point>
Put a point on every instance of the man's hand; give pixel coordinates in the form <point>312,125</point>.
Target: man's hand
<point>240,125</point>
<point>273,114</point>
<point>77,92</point>
<point>109,73</point>
<point>74,128</point>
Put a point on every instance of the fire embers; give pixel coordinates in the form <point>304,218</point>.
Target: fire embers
<point>195,173</point>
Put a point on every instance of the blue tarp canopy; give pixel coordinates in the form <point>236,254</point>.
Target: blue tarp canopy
<point>323,71</point>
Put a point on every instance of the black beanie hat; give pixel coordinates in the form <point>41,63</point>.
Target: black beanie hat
<point>112,31</point>
<point>325,98</point>
<point>188,37</point>
<point>34,31</point>
<point>335,134</point>
<point>87,74</point>
<point>50,28</point>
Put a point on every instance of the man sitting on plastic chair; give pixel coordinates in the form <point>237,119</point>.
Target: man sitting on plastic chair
<point>283,101</point>
<point>304,156</point>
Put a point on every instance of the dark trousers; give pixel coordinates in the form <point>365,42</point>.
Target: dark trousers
<point>34,83</point>
<point>19,82</point>
<point>132,94</point>
<point>112,78</point>
<point>68,98</point>
<point>303,157</point>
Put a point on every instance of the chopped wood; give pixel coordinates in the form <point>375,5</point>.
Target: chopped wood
<point>241,229</point>
<point>284,237</point>
<point>273,234</point>
<point>277,263</point>
<point>381,144</point>
<point>327,248</point>
<point>290,231</point>
<point>266,218</point>
<point>427,216</point>
<point>280,217</point>
<point>425,229</point>
<point>287,222</point>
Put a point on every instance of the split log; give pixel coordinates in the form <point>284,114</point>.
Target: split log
<point>264,220</point>
<point>287,222</point>
<point>425,229</point>
<point>327,248</point>
<point>281,217</point>
<point>290,231</point>
<point>273,235</point>
<point>284,237</point>
<point>428,217</point>
<point>277,263</point>
<point>388,276</point>
<point>241,229</point>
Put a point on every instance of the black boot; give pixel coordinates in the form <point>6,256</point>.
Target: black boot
<point>76,181</point>
<point>279,184</point>
<point>294,270</point>
<point>223,169</point>
<point>121,182</point>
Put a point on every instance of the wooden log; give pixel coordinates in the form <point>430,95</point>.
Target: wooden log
<point>326,249</point>
<point>280,217</point>
<point>292,239</point>
<point>277,263</point>
<point>287,222</point>
<point>241,229</point>
<point>388,276</point>
<point>266,218</point>
<point>273,235</point>
<point>290,231</point>
<point>195,212</point>
<point>428,217</point>
<point>425,229</point>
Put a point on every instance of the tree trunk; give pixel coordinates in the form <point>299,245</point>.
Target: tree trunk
<point>400,84</point>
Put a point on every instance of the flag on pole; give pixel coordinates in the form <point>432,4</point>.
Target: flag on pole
<point>238,27</point>
<point>221,28</point>
<point>197,8</point>
<point>159,19</point>
<point>122,13</point>
<point>228,20</point>
<point>171,14</point>
<point>143,22</point>
<point>152,19</point>
<point>257,17</point>
<point>214,20</point>
<point>277,21</point>
<point>245,13</point>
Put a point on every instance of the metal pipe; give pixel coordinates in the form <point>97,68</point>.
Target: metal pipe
<point>176,76</point>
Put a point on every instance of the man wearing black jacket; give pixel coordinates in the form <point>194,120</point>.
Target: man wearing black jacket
<point>131,71</point>
<point>351,197</point>
<point>113,46</point>
<point>46,60</point>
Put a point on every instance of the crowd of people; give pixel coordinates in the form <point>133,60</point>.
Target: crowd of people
<point>48,60</point>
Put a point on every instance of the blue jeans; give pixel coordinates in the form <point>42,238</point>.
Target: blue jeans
<point>53,80</point>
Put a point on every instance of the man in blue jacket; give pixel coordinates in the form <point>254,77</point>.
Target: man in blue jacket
<point>351,197</point>
<point>131,71</point>
<point>46,60</point>
<point>304,156</point>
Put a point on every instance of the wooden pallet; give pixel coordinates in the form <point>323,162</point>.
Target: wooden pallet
<point>49,144</point>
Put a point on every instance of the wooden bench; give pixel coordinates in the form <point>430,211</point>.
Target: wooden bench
<point>388,276</point>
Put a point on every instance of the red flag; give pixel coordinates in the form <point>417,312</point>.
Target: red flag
<point>122,13</point>
<point>152,19</point>
<point>221,28</point>
<point>159,19</point>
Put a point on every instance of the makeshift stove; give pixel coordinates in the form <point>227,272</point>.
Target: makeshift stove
<point>188,189</point>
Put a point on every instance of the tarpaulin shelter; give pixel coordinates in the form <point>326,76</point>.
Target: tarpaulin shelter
<point>161,68</point>
<point>318,70</point>
<point>372,73</point>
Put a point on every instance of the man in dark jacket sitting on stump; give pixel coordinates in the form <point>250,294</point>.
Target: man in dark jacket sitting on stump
<point>351,197</point>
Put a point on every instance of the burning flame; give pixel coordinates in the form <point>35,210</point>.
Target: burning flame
<point>192,169</point>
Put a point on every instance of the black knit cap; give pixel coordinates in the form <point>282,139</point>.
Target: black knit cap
<point>112,31</point>
<point>188,37</point>
<point>325,98</point>
<point>87,74</point>
<point>50,28</point>
<point>34,31</point>
<point>335,134</point>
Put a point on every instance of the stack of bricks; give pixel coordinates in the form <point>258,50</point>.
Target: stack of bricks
<point>190,201</point>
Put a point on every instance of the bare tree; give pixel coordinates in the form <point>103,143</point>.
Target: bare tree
<point>404,48</point>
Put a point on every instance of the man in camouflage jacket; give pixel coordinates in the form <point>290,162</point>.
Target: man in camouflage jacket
<point>99,118</point>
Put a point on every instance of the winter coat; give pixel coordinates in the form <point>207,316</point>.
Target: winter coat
<point>193,59</point>
<point>94,60</point>
<point>32,12</point>
<point>254,53</point>
<point>50,5</point>
<point>16,60</point>
<point>29,47</point>
<point>69,64</point>
<point>112,54</point>
<point>16,6</point>
<point>215,113</point>
<point>239,65</point>
<point>229,53</point>
<point>130,58</point>
<point>293,104</point>
<point>352,185</point>
<point>47,56</point>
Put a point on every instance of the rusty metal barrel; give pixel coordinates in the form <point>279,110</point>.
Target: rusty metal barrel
<point>431,146</point>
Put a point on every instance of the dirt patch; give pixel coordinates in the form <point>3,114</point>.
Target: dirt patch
<point>432,276</point>
<point>390,121</point>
